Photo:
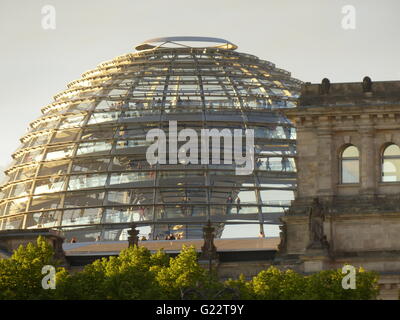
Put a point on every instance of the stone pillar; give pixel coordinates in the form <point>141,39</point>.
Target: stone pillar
<point>307,161</point>
<point>367,162</point>
<point>325,158</point>
<point>208,250</point>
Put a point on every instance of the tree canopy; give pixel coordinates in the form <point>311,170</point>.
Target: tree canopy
<point>137,274</point>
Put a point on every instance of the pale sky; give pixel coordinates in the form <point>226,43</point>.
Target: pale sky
<point>305,37</point>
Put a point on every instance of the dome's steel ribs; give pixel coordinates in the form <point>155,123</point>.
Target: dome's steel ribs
<point>82,164</point>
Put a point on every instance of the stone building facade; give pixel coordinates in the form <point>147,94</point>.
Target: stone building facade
<point>347,208</point>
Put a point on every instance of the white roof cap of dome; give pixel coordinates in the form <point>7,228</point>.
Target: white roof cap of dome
<point>161,42</point>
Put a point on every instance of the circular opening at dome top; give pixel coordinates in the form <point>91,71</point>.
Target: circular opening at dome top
<point>188,42</point>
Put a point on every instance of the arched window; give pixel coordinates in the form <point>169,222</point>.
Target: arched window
<point>350,165</point>
<point>391,163</point>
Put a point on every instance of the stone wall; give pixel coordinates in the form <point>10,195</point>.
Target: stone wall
<point>361,221</point>
<point>249,269</point>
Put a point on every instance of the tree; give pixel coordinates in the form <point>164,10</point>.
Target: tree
<point>138,274</point>
<point>127,276</point>
<point>21,275</point>
<point>242,286</point>
<point>183,273</point>
<point>327,285</point>
<point>274,284</point>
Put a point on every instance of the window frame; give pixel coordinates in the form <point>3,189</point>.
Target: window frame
<point>382,160</point>
<point>341,160</point>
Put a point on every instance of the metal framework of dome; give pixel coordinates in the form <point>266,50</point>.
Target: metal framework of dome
<point>81,166</point>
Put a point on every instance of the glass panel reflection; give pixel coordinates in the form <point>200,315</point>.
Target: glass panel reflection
<point>350,165</point>
<point>391,164</point>
<point>46,219</point>
<point>81,216</point>
<point>86,181</point>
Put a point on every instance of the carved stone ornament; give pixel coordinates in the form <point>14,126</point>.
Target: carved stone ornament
<point>316,226</point>
<point>208,250</point>
<point>133,239</point>
<point>367,84</point>
<point>283,236</point>
<point>325,86</point>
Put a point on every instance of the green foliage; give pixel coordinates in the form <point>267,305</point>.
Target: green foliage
<point>242,286</point>
<point>128,276</point>
<point>138,274</point>
<point>182,273</point>
<point>327,285</point>
<point>274,284</point>
<point>21,275</point>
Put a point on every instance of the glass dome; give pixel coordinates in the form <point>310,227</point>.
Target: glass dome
<point>82,165</point>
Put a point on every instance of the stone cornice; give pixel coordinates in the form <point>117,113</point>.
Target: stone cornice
<point>348,207</point>
<point>344,102</point>
<point>340,118</point>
